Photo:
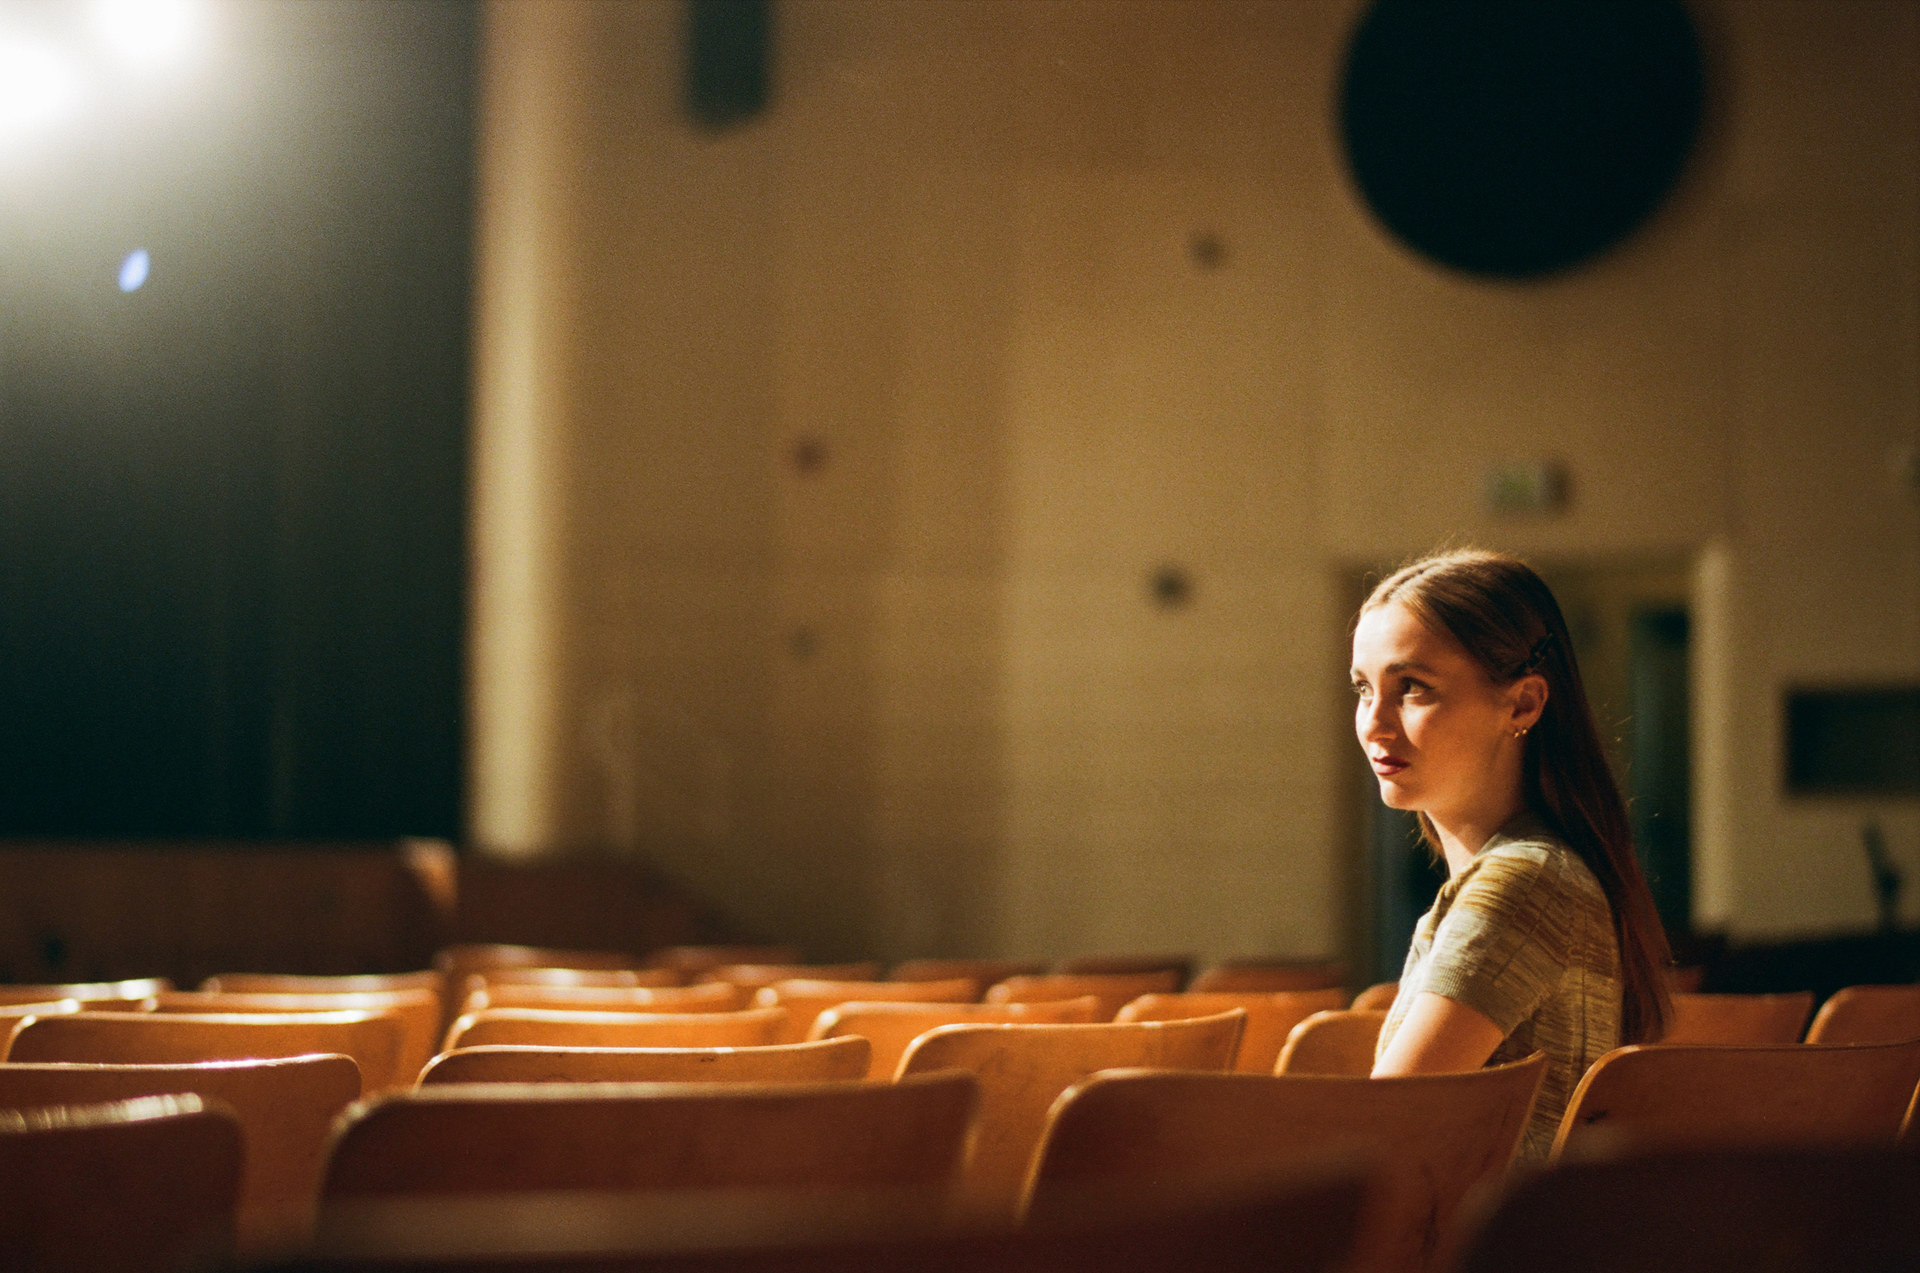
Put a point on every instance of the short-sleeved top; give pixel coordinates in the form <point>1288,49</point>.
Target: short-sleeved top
<point>1525,936</point>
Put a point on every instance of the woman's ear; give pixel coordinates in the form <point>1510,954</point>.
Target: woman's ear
<point>1529,700</point>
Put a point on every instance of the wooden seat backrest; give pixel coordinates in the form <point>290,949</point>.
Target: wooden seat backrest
<point>285,1108</point>
<point>1748,1019</point>
<point>127,1186</point>
<point>1868,1014</point>
<point>713,996</point>
<point>692,961</point>
<point>373,1039</point>
<point>11,1014</point>
<point>1684,978</point>
<point>805,1000</point>
<point>1334,1042</point>
<point>1024,1068</point>
<point>1812,1209</point>
<point>1113,990</point>
<point>301,983</point>
<point>1300,1225</point>
<point>1721,1094</point>
<point>572,977</point>
<point>1243,977</point>
<point>983,972</point>
<point>832,1059</point>
<point>418,1009</point>
<point>891,1027</point>
<point>541,1027</point>
<point>1271,1016</point>
<point>1378,997</point>
<point>459,960</point>
<point>121,991</point>
<point>493,1139</point>
<point>754,976</point>
<point>1181,966</point>
<point>1439,1136</point>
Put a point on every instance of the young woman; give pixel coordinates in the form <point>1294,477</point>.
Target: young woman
<point>1544,937</point>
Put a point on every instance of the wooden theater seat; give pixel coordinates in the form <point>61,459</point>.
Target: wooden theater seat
<point>285,1108</point>
<point>982,972</point>
<point>1181,966</point>
<point>754,976</point>
<point>1378,997</point>
<point>1255,976</point>
<point>1271,1016</point>
<point>459,960</point>
<point>1678,1094</point>
<point>691,962</point>
<point>125,1187</point>
<point>418,1009</point>
<point>580,977</point>
<point>661,1146</point>
<point>540,1027</point>
<point>805,1000</point>
<point>1750,1019</point>
<point>713,996</point>
<point>1868,1014</point>
<point>1336,1042</point>
<point>1132,1135</point>
<point>891,1027</point>
<point>127,993</point>
<point>373,1039</point>
<point>829,1060</point>
<point>1024,1068</point>
<point>301,983</point>
<point>1812,1209</point>
<point>1304,1224</point>
<point>1112,990</point>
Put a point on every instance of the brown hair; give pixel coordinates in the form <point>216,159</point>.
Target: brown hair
<point>1504,616</point>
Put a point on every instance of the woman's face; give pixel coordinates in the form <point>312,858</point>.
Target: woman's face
<point>1437,731</point>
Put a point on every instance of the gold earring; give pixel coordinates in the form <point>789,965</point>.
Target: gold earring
<point>1522,731</point>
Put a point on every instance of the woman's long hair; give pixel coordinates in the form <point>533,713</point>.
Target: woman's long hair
<point>1505,618</point>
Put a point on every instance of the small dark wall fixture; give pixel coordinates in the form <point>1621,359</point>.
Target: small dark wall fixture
<point>1171,587</point>
<point>808,455</point>
<point>1517,138</point>
<point>1206,250</point>
<point>1854,742</point>
<point>729,48</point>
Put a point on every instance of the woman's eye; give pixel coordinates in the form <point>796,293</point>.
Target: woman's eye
<point>1362,689</point>
<point>1413,687</point>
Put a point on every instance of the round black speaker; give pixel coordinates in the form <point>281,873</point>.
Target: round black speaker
<point>1516,138</point>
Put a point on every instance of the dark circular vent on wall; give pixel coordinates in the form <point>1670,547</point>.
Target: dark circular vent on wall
<point>1518,137</point>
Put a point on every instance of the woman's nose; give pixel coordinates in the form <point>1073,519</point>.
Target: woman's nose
<point>1372,720</point>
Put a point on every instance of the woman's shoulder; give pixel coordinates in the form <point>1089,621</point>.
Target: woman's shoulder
<point>1526,855</point>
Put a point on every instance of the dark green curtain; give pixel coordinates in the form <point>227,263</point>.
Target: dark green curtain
<point>231,501</point>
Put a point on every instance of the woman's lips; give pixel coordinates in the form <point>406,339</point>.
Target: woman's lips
<point>1387,766</point>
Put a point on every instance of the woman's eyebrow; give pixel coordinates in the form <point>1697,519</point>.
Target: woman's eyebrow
<point>1409,666</point>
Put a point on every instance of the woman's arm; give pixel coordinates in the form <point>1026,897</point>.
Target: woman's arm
<point>1438,1036</point>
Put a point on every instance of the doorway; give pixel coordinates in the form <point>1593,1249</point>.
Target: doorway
<point>1631,634</point>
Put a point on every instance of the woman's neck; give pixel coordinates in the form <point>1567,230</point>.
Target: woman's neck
<point>1463,833</point>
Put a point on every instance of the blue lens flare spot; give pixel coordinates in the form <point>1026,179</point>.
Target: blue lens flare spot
<point>133,270</point>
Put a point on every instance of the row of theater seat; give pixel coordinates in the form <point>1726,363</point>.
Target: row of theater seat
<point>1052,1116</point>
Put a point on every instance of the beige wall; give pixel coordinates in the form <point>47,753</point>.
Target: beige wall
<point>919,699</point>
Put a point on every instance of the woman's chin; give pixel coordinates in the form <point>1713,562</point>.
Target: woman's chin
<point>1395,796</point>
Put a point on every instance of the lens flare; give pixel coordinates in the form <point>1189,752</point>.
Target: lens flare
<point>134,270</point>
<point>37,85</point>
<point>146,35</point>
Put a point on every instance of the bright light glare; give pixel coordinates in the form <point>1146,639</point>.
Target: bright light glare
<point>148,34</point>
<point>134,270</point>
<point>37,85</point>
